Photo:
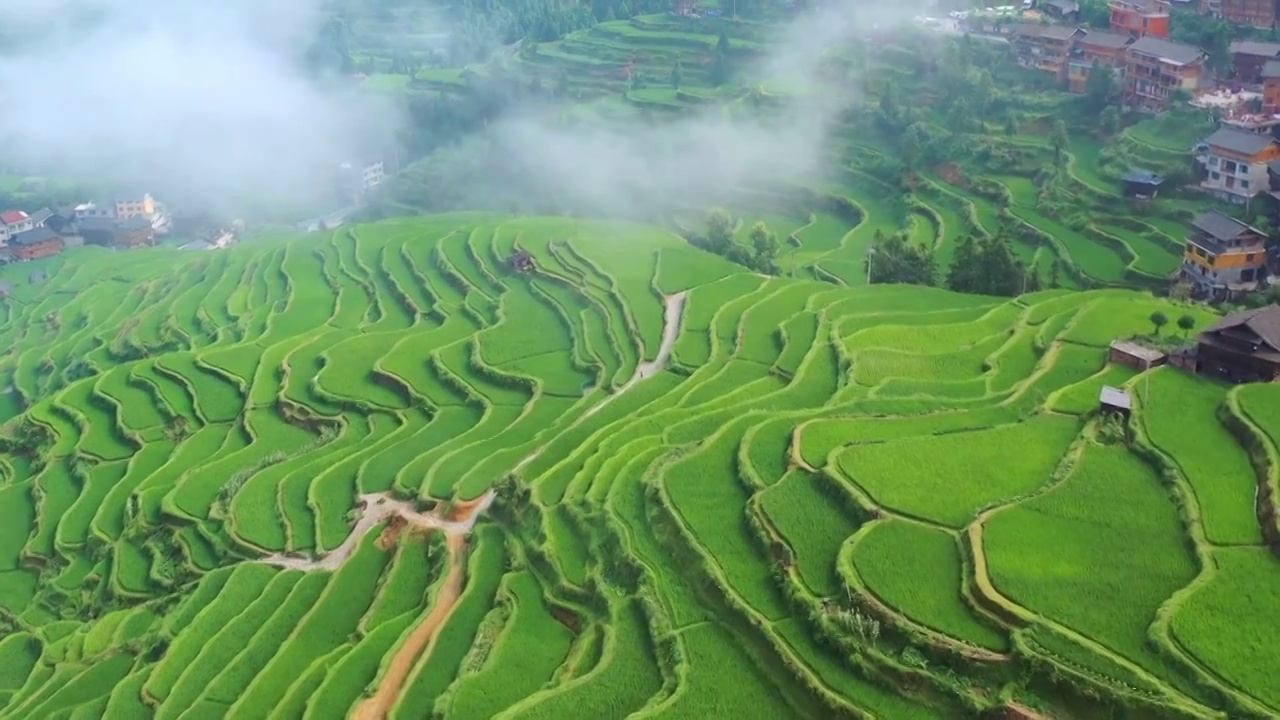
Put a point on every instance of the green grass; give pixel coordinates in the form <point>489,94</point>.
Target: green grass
<point>813,524</point>
<point>1117,552</point>
<point>532,645</point>
<point>1224,623</point>
<point>948,478</point>
<point>916,570</point>
<point>1180,415</point>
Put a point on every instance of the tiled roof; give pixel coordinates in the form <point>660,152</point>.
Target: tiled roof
<point>1098,38</point>
<point>1173,52</point>
<point>1253,47</point>
<point>31,237</point>
<point>1239,141</point>
<point>12,216</point>
<point>1264,322</point>
<point>1220,227</point>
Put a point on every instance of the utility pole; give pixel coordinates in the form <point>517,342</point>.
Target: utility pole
<point>870,252</point>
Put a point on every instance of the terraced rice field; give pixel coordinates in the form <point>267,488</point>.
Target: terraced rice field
<point>421,482</point>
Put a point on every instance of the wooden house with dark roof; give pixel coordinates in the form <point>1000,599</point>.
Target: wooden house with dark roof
<point>1250,57</point>
<point>1242,347</point>
<point>1223,257</point>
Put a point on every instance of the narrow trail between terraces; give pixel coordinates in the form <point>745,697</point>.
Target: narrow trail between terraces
<point>378,507</point>
<point>671,317</point>
<point>418,646</point>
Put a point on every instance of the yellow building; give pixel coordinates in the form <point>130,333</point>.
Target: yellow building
<point>1224,256</point>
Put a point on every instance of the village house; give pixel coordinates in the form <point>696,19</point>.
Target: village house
<point>130,233</point>
<point>1109,50</point>
<point>34,244</point>
<point>1141,184</point>
<point>1135,355</point>
<point>1249,58</point>
<point>1223,257</point>
<point>1063,11</point>
<point>1242,347</point>
<point>1236,163</point>
<point>1140,18</point>
<point>134,205</point>
<point>1271,86</point>
<point>13,222</point>
<point>1257,13</point>
<point>1158,68</point>
<point>1044,47</point>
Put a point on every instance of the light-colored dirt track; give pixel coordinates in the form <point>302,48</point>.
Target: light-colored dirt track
<point>375,509</point>
<point>670,331</point>
<point>421,641</point>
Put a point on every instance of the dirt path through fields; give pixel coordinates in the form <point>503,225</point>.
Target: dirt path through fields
<point>421,641</point>
<point>671,316</point>
<point>378,507</point>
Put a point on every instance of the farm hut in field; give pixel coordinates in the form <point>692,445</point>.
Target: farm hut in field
<point>521,261</point>
<point>1140,357</point>
<point>1142,184</point>
<point>1114,401</point>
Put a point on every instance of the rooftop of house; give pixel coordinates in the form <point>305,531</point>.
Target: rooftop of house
<point>1114,397</point>
<point>1220,227</point>
<point>1048,32</point>
<point>1170,52</point>
<point>1133,349</point>
<point>9,217</point>
<point>1271,69</point>
<point>1146,177</point>
<point>1108,40</point>
<point>1145,5</point>
<point>40,216</point>
<point>31,237</point>
<point>97,224</point>
<point>1063,6</point>
<point>1264,322</point>
<point>1239,141</point>
<point>1253,47</point>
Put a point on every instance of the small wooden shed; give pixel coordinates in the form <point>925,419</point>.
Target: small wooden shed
<point>1142,184</point>
<point>1115,400</point>
<point>1135,355</point>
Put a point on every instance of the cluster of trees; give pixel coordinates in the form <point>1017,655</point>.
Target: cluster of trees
<point>892,259</point>
<point>988,266</point>
<point>761,256</point>
<point>985,266</point>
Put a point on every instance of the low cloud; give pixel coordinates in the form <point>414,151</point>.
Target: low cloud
<point>202,102</point>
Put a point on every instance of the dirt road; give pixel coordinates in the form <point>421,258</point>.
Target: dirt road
<point>376,508</point>
<point>421,641</point>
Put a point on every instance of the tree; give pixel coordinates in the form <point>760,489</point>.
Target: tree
<point>719,73</point>
<point>765,245</point>
<point>1159,320</point>
<point>1059,141</point>
<point>1186,322</point>
<point>1010,125</point>
<point>894,260</point>
<point>677,75</point>
<point>719,231</point>
<point>1109,120</point>
<point>1100,86</point>
<point>722,43</point>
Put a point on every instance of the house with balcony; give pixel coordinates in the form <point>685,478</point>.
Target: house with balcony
<point>1140,18</point>
<point>1107,49</point>
<point>1157,69</point>
<point>1255,13</point>
<point>1045,47</point>
<point>1242,347</point>
<point>1249,58</point>
<point>1223,257</point>
<point>1235,162</point>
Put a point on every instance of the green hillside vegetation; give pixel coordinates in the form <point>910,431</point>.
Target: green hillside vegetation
<point>803,499</point>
